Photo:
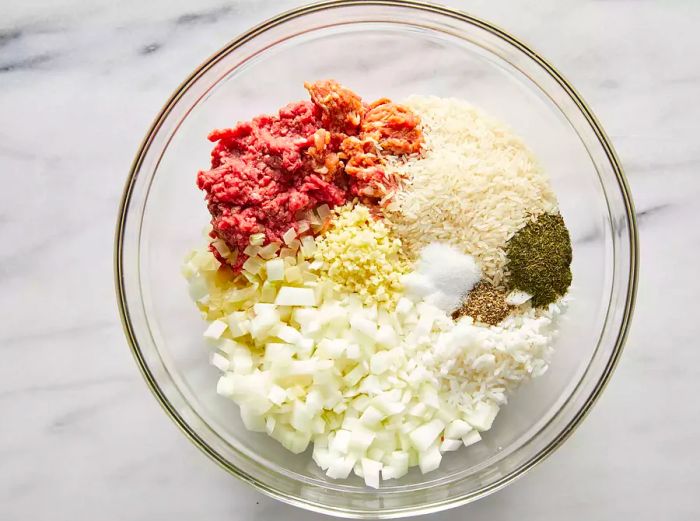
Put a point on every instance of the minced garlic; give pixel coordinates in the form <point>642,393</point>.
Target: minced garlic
<point>359,254</point>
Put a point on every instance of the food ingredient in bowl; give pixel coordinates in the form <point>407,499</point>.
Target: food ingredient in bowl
<point>394,127</point>
<point>539,259</point>
<point>340,108</point>
<point>481,363</point>
<point>266,172</point>
<point>485,303</point>
<point>358,254</point>
<point>473,186</point>
<point>258,182</point>
<point>517,297</point>
<point>387,129</point>
<point>443,276</point>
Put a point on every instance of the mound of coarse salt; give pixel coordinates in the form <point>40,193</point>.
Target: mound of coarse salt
<point>443,277</point>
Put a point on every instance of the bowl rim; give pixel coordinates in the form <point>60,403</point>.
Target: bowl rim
<point>439,505</point>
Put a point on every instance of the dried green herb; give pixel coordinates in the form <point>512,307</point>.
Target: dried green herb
<point>539,259</point>
<point>485,303</point>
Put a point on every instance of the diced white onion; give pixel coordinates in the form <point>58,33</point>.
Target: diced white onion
<point>291,296</point>
<point>429,459</point>
<point>424,436</point>
<point>370,471</point>
<point>215,330</point>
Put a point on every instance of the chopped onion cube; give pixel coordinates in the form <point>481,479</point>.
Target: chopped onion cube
<point>268,251</point>
<point>215,330</point>
<point>355,375</point>
<point>289,236</point>
<point>308,246</point>
<point>198,288</point>
<point>288,334</point>
<point>219,361</point>
<point>424,436</point>
<point>268,292</point>
<point>419,410</point>
<point>371,416</point>
<point>293,274</point>
<point>390,408</point>
<point>376,453</point>
<point>483,415</point>
<point>241,360</point>
<point>316,265</point>
<point>251,250</point>
<point>288,254</point>
<point>371,470</point>
<point>257,239</point>
<point>277,395</point>
<point>353,352</point>
<point>294,441</point>
<point>227,346</point>
<point>275,269</point>
<point>341,467</point>
<point>386,336</point>
<point>364,326</point>
<point>252,421</point>
<point>262,323</point>
<point>429,396</point>
<point>238,324</point>
<point>239,295</point>
<point>403,306</point>
<point>290,296</point>
<point>301,417</point>
<point>270,423</point>
<point>429,459</point>
<point>324,212</point>
<point>221,247</point>
<point>397,466</point>
<point>225,385</point>
<point>340,443</point>
<point>277,352</point>
<point>321,456</point>
<point>449,445</point>
<point>380,362</point>
<point>252,265</point>
<point>471,438</point>
<point>360,439</point>
<point>456,429</point>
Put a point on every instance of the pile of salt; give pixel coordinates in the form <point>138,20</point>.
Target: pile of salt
<point>443,277</point>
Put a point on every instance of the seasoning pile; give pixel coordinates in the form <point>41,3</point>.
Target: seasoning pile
<point>379,276</point>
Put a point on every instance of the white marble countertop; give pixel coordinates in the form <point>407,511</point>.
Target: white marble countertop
<point>81,438</point>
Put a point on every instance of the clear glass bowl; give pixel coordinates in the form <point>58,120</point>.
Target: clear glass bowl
<point>378,49</point>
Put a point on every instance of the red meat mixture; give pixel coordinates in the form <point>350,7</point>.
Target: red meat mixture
<point>267,172</point>
<point>260,177</point>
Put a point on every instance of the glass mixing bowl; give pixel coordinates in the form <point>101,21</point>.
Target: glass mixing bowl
<point>377,48</point>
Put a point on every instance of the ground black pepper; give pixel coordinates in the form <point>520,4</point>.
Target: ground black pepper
<point>539,259</point>
<point>485,303</point>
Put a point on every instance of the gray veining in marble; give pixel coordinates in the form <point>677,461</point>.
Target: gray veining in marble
<point>81,437</point>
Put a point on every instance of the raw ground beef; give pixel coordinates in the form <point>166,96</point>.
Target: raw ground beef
<point>258,181</point>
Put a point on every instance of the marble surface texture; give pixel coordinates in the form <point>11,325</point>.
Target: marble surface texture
<point>81,438</point>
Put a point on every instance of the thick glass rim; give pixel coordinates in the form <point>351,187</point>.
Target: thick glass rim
<point>439,505</point>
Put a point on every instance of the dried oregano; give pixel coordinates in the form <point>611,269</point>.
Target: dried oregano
<point>539,259</point>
